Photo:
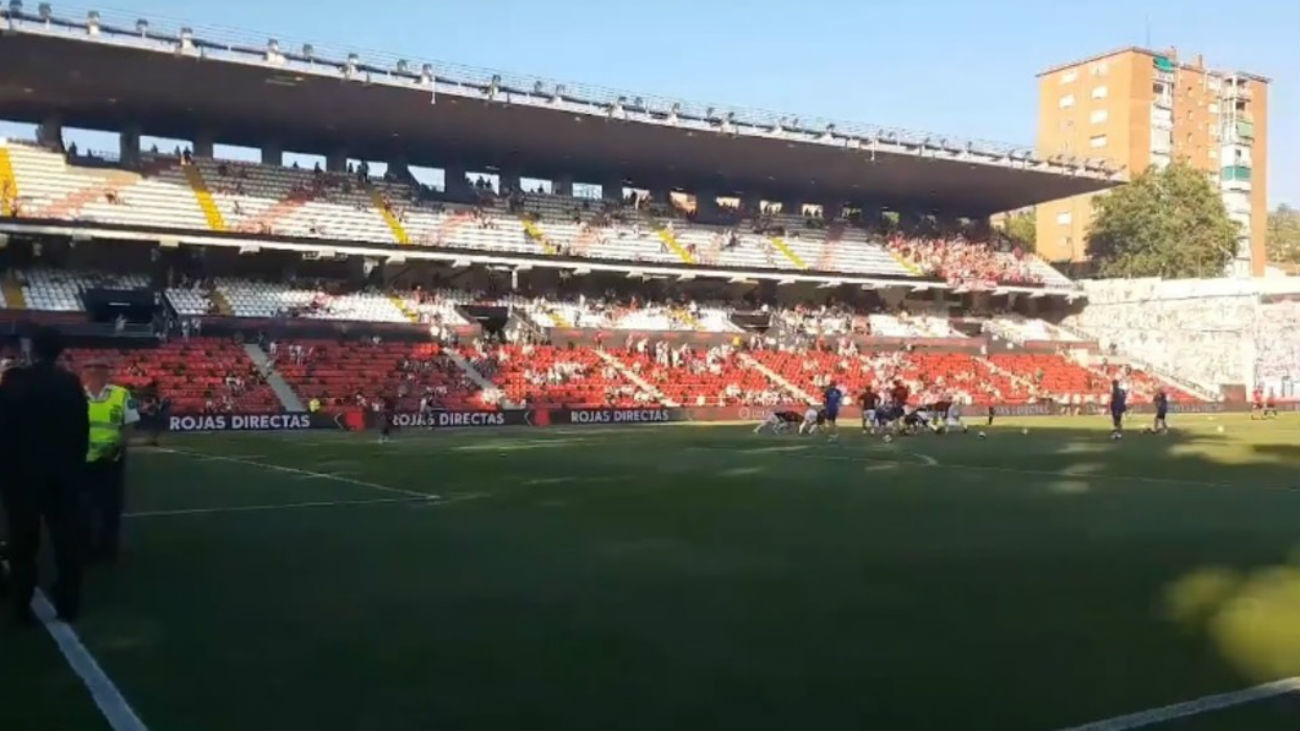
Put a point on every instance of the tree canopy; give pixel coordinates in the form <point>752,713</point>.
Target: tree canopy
<point>1167,223</point>
<point>1022,228</point>
<point>1283,239</point>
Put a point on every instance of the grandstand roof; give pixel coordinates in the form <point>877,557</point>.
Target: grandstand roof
<point>95,74</point>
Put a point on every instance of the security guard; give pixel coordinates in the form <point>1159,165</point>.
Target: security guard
<point>43,438</point>
<point>111,409</point>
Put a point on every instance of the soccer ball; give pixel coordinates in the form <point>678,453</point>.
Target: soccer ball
<point>1024,431</point>
<point>1220,429</point>
<point>888,439</point>
<point>982,435</point>
<point>1117,436</point>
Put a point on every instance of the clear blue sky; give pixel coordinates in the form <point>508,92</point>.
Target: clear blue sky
<point>956,67</point>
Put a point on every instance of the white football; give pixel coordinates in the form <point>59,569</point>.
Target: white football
<point>1024,431</point>
<point>1220,429</point>
<point>888,439</point>
<point>982,435</point>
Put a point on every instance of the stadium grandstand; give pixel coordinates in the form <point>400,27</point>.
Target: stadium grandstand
<point>553,259</point>
<point>864,250</point>
<point>411,243</point>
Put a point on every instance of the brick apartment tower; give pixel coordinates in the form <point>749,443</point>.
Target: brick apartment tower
<point>1138,108</point>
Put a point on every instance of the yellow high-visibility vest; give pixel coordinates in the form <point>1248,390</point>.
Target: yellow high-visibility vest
<point>107,417</point>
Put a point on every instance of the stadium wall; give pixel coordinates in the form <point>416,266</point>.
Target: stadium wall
<point>357,420</point>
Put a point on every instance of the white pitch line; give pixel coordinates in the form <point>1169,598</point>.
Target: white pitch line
<point>280,506</point>
<point>1195,707</point>
<point>931,461</point>
<point>109,700</point>
<point>302,472</point>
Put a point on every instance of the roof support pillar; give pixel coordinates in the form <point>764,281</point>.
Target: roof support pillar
<point>706,202</point>
<point>454,180</point>
<point>508,180</point>
<point>611,189</point>
<point>204,141</point>
<point>50,132</point>
<point>128,144</point>
<point>562,185</point>
<point>337,161</point>
<point>272,154</point>
<point>399,169</point>
<point>872,214</point>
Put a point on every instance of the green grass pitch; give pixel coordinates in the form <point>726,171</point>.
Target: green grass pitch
<point>692,577</point>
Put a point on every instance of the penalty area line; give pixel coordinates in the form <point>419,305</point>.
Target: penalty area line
<point>276,506</point>
<point>431,501</point>
<point>1204,704</point>
<point>301,473</point>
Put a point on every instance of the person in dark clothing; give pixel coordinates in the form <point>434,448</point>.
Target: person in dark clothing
<point>44,435</point>
<point>869,401</point>
<point>1118,405</point>
<point>1161,403</point>
<point>387,416</point>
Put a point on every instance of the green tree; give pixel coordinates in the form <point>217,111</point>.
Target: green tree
<point>1165,223</point>
<point>1283,239</point>
<point>1022,228</point>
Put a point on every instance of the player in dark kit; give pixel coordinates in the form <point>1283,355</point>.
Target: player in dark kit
<point>832,400</point>
<point>388,415</point>
<point>869,401</point>
<point>1118,405</point>
<point>1161,402</point>
<point>900,394</point>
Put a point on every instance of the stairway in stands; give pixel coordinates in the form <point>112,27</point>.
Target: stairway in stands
<point>283,391</point>
<point>13,294</point>
<point>386,210</point>
<point>667,236</point>
<point>8,184</point>
<point>777,378</point>
<point>906,263</point>
<point>683,316</point>
<point>634,377</point>
<point>404,308</point>
<point>204,198</point>
<point>489,388</point>
<point>535,233</point>
<point>787,252</point>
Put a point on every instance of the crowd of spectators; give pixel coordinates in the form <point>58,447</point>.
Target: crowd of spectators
<point>1206,334</point>
<point>1277,356</point>
<point>963,262</point>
